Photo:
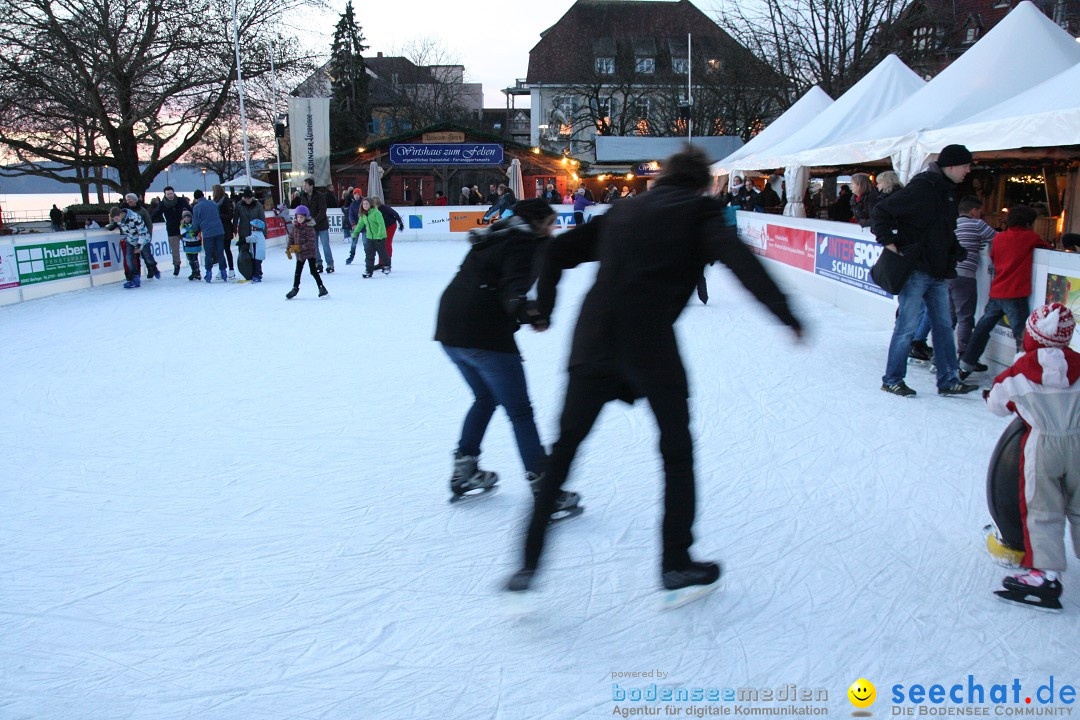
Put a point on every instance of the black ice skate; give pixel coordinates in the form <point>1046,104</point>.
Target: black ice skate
<point>1035,588</point>
<point>686,584</point>
<point>920,353</point>
<point>469,482</point>
<point>567,505</point>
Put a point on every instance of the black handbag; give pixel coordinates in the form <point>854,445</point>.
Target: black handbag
<point>892,270</point>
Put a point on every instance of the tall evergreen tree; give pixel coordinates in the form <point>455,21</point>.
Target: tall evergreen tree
<point>349,109</point>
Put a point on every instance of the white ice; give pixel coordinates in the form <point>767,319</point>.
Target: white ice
<point>219,504</point>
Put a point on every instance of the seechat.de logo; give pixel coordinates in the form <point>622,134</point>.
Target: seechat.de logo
<point>862,695</point>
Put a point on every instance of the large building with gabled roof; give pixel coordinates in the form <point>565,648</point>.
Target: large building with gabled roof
<point>621,67</point>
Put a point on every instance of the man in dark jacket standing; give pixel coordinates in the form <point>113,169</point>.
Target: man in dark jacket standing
<point>919,221</point>
<point>625,347</point>
<point>170,210</point>
<point>247,209</point>
<point>315,200</point>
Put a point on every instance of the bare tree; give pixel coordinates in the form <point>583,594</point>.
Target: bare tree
<point>830,43</point>
<point>432,90</point>
<point>221,148</point>
<point>145,81</point>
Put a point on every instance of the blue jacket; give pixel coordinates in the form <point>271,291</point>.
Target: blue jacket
<point>206,219</point>
<point>351,215</point>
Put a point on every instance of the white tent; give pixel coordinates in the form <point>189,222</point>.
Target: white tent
<point>996,68</point>
<point>798,115</point>
<point>1047,115</point>
<point>243,181</point>
<point>875,94</point>
<point>880,90</point>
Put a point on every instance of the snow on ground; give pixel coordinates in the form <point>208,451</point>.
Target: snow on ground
<point>219,504</point>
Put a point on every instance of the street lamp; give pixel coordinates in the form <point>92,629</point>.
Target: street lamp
<point>204,179</point>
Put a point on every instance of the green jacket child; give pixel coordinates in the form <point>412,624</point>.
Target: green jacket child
<point>371,221</point>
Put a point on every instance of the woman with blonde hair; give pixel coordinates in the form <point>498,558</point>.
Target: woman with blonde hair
<point>888,182</point>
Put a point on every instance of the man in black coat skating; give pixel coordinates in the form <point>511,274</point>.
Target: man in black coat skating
<point>652,250</point>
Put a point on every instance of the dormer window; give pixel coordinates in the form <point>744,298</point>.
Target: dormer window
<point>680,66</point>
<point>644,55</point>
<point>971,35</point>
<point>604,52</point>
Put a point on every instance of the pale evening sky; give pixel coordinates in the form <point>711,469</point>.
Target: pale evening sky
<point>491,39</point>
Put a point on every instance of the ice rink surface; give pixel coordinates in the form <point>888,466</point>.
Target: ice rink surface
<point>219,504</point>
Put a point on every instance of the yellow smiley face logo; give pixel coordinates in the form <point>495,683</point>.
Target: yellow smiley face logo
<point>862,693</point>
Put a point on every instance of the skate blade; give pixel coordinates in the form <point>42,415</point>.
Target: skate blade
<point>561,516</point>
<point>472,495</point>
<point>1050,606</point>
<point>671,599</point>
<point>517,603</point>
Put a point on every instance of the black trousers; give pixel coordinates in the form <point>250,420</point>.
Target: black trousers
<point>588,391</point>
<point>300,269</point>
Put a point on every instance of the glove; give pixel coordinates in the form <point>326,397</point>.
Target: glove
<point>290,249</point>
<point>401,227</point>
<point>529,314</point>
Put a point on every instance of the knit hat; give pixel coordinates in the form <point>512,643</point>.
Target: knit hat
<point>1051,325</point>
<point>302,210</point>
<point>185,214</point>
<point>247,193</point>
<point>954,155</point>
<point>533,209</point>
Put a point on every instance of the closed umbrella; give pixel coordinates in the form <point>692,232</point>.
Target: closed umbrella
<point>374,181</point>
<point>515,184</point>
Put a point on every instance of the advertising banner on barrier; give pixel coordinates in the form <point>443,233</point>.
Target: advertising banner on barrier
<point>105,254</point>
<point>1063,286</point>
<point>753,231</point>
<point>336,218</point>
<point>791,246</point>
<point>275,227</point>
<point>848,260</point>
<point>9,271</point>
<point>40,262</point>
<point>466,220</point>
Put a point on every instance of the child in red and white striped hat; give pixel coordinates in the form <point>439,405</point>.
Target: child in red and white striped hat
<point>1043,388</point>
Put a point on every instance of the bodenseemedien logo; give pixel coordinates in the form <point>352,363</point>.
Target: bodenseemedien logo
<point>862,695</point>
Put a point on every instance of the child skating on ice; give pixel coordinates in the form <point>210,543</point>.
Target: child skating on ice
<point>1043,388</point>
<point>192,245</point>
<point>257,247</point>
<point>302,245</point>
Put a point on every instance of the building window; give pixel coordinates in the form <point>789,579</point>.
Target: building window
<point>560,122</point>
<point>715,65</point>
<point>921,39</point>
<point>645,65</point>
<point>971,35</point>
<point>605,66</point>
<point>603,115</point>
<point>641,112</point>
<point>680,66</point>
<point>1001,3</point>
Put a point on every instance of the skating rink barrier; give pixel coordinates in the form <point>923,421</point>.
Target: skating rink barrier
<point>827,260</point>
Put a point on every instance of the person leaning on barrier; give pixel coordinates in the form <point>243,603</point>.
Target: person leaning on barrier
<point>919,221</point>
